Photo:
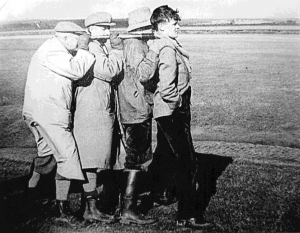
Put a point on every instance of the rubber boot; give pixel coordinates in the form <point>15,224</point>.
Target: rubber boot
<point>92,214</point>
<point>129,202</point>
<point>64,215</point>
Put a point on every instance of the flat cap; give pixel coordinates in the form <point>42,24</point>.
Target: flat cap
<point>99,19</point>
<point>69,27</point>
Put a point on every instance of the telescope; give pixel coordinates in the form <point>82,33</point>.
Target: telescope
<point>148,36</point>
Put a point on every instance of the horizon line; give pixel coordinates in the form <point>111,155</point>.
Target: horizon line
<point>266,18</point>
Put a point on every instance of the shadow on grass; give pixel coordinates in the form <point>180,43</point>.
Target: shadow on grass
<point>210,169</point>
<point>17,213</point>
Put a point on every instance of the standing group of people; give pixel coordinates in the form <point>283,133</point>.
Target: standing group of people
<point>84,104</point>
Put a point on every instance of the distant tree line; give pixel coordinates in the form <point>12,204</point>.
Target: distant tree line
<point>47,24</point>
<point>123,23</point>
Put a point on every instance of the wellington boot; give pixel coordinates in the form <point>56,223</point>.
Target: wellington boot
<point>129,203</point>
<point>128,216</point>
<point>92,214</point>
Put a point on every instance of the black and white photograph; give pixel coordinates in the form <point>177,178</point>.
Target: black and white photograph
<point>149,116</point>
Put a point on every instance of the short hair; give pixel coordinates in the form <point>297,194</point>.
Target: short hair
<point>163,14</point>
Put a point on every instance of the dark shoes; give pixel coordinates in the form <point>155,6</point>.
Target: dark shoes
<point>92,214</point>
<point>193,223</point>
<point>63,215</point>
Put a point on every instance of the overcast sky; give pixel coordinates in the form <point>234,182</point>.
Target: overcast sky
<point>214,9</point>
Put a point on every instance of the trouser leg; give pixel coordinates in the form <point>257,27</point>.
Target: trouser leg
<point>32,183</point>
<point>138,144</point>
<point>163,172</point>
<point>43,164</point>
<point>62,189</point>
<point>111,190</point>
<point>138,151</point>
<point>178,140</point>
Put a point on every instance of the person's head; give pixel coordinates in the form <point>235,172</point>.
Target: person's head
<point>165,21</point>
<point>99,24</point>
<point>68,33</point>
<point>139,21</point>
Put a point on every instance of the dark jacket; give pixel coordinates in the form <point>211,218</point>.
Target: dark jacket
<point>134,99</point>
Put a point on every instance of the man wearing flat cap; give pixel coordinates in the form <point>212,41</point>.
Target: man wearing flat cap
<point>95,121</point>
<point>47,110</point>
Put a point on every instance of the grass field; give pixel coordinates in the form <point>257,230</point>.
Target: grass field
<point>245,90</point>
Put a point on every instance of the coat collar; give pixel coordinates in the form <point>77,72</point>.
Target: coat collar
<point>102,46</point>
<point>174,44</point>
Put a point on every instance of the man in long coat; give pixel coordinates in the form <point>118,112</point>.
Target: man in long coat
<point>95,115</point>
<point>47,108</point>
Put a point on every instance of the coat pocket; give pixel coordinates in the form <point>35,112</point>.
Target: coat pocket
<point>132,96</point>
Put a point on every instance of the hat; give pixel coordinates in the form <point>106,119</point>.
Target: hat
<point>99,19</point>
<point>68,27</point>
<point>139,18</point>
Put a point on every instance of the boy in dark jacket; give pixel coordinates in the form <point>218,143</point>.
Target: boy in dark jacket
<point>172,113</point>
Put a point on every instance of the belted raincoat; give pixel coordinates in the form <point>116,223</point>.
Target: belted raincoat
<point>95,110</point>
<point>48,99</point>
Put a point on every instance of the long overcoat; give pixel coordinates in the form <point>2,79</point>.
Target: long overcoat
<point>48,99</point>
<point>95,110</point>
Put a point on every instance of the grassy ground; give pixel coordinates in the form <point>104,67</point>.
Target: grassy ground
<point>243,192</point>
<point>245,89</point>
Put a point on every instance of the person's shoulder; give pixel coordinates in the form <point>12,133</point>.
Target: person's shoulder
<point>94,44</point>
<point>165,42</point>
<point>51,44</point>
<point>94,47</point>
<point>133,43</point>
<point>49,41</point>
<point>133,47</point>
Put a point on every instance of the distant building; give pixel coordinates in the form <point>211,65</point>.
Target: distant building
<point>252,21</point>
<point>291,22</point>
<point>222,22</point>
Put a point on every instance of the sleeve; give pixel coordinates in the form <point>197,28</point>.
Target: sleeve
<point>147,67</point>
<point>168,78</point>
<point>106,68</point>
<point>64,64</point>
